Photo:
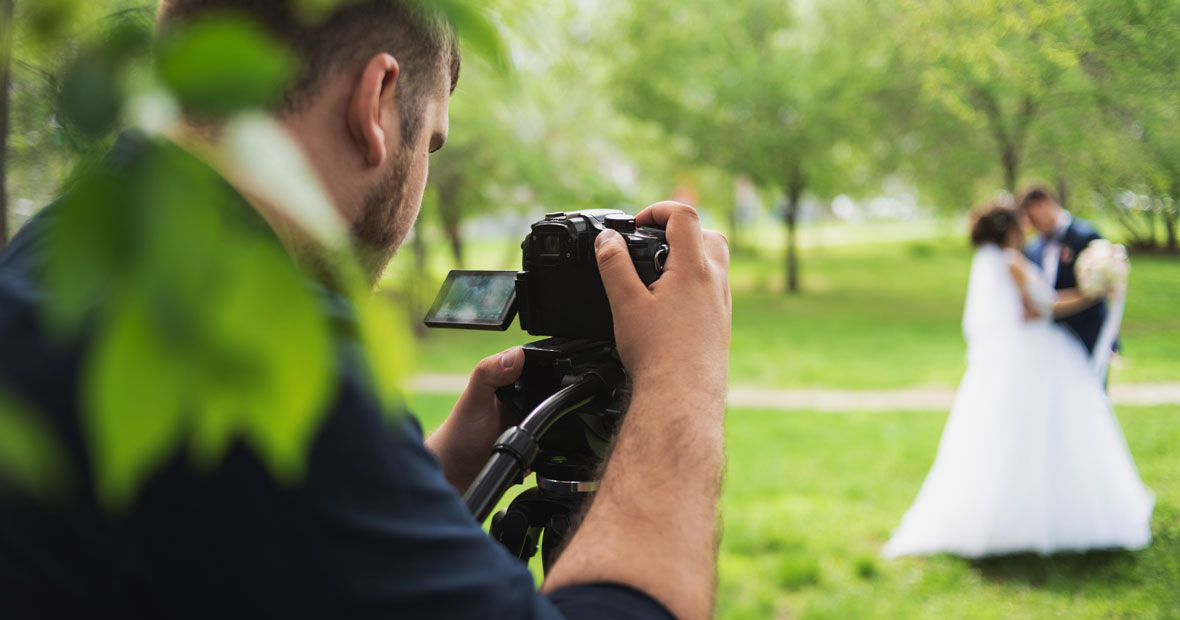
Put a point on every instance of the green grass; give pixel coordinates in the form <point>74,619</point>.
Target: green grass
<point>810,499</point>
<point>871,316</point>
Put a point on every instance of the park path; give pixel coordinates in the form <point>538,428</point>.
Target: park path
<point>843,401</point>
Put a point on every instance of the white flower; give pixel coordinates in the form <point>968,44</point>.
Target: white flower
<point>1101,268</point>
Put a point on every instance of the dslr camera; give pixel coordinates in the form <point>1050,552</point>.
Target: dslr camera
<point>559,291</point>
<point>572,392</point>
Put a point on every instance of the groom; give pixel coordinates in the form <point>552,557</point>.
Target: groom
<point>1062,238</point>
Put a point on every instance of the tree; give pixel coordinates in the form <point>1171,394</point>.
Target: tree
<point>1136,65</point>
<point>991,75</point>
<point>762,88</point>
<point>523,143</point>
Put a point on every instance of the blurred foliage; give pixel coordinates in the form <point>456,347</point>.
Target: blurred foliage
<point>30,456</point>
<point>224,63</point>
<point>562,105</point>
<point>1137,60</point>
<point>191,346</point>
<point>199,330</point>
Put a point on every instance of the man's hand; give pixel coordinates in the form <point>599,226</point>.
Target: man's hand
<point>675,335</point>
<point>652,523</point>
<point>463,443</point>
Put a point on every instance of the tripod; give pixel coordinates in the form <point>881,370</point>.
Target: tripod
<point>560,377</point>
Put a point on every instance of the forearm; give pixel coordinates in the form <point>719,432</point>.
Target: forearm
<point>653,523</point>
<point>1072,301</point>
<point>456,472</point>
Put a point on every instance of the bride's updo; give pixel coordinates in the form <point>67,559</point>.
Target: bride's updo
<point>993,222</point>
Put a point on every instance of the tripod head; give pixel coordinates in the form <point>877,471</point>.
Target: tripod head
<point>574,446</point>
<point>575,392</point>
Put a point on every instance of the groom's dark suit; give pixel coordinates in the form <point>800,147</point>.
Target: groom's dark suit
<point>1072,240</point>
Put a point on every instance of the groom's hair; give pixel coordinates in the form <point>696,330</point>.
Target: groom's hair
<point>1036,196</point>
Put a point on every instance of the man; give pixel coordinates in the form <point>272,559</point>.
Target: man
<point>376,527</point>
<point>1062,239</point>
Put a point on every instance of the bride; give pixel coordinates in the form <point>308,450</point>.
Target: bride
<point>1032,458</point>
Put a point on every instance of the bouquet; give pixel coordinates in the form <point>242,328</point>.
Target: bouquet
<point>1102,267</point>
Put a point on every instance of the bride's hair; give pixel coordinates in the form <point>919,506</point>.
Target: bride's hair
<point>993,222</point>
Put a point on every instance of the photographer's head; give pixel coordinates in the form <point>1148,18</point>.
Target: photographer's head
<point>1042,209</point>
<point>367,107</point>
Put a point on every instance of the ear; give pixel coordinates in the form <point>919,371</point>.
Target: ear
<point>370,93</point>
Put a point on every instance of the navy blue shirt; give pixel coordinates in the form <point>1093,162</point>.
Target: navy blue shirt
<point>372,531</point>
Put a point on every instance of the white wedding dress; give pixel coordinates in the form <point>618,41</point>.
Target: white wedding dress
<point>1032,458</point>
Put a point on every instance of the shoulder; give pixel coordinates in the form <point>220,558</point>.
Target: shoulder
<point>1016,263</point>
<point>1033,247</point>
<point>1083,230</point>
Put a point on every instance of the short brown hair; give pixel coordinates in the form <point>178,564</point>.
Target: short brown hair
<point>422,42</point>
<point>993,222</point>
<point>1034,196</point>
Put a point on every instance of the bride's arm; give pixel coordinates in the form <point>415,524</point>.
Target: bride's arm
<point>1030,306</point>
<point>1071,301</point>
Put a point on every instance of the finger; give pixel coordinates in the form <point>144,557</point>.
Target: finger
<point>619,277</point>
<point>492,372</point>
<point>716,248</point>
<point>681,224</point>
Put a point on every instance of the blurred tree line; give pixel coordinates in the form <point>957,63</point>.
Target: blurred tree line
<point>621,104</point>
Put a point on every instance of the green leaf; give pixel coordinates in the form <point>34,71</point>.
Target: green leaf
<point>134,389</point>
<point>223,63</point>
<point>475,28</point>
<point>30,455</point>
<point>388,344</point>
<point>269,317</point>
<point>90,243</point>
<point>89,100</point>
<point>48,19</point>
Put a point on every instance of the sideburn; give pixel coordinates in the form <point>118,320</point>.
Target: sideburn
<point>385,218</point>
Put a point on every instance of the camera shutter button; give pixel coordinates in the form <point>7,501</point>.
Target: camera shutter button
<point>620,222</point>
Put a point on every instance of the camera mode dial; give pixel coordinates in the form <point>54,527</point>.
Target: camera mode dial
<point>620,222</point>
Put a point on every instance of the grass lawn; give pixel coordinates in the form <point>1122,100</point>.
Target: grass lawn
<point>872,315</point>
<point>810,498</point>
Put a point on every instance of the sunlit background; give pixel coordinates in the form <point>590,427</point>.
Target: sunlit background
<point>838,144</point>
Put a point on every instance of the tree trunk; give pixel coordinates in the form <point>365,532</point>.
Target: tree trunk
<point>1062,191</point>
<point>794,187</point>
<point>733,228</point>
<point>452,223</point>
<point>1172,214</point>
<point>420,280</point>
<point>1149,215</point>
<point>790,216</point>
<point>1170,227</point>
<point>1010,158</point>
<point>6,38</point>
<point>455,238</point>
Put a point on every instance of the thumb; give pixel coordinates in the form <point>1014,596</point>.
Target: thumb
<point>619,277</point>
<point>493,372</point>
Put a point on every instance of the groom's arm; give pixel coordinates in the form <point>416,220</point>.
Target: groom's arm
<point>1071,301</point>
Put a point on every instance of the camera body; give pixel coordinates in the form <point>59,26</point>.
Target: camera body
<point>559,290</point>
